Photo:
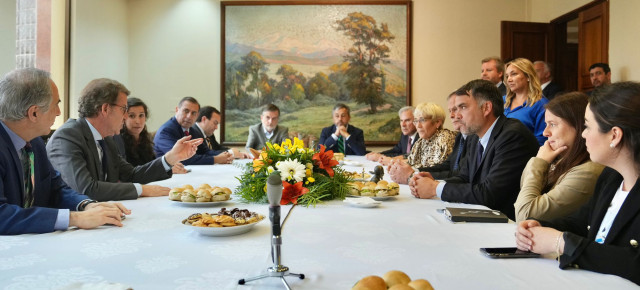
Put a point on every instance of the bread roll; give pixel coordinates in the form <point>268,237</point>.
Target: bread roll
<point>370,283</point>
<point>401,287</point>
<point>420,284</point>
<point>394,277</point>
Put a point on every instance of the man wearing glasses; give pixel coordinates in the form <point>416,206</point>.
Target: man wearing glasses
<point>84,152</point>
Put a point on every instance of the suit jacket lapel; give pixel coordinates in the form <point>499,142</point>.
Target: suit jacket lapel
<point>16,160</point>
<point>496,131</point>
<point>91,144</point>
<point>628,211</point>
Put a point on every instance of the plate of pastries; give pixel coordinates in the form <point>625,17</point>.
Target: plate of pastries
<point>358,176</point>
<point>203,195</point>
<point>382,190</point>
<point>224,222</point>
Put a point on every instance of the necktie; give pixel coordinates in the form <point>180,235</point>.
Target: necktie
<point>104,158</point>
<point>479,157</point>
<point>340,144</point>
<point>208,143</point>
<point>409,145</point>
<point>456,164</point>
<point>186,132</point>
<point>28,173</point>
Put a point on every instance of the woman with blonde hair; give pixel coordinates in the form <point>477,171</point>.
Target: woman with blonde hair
<point>435,143</point>
<point>524,100</point>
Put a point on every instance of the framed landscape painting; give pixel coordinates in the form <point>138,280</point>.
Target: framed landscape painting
<point>307,56</point>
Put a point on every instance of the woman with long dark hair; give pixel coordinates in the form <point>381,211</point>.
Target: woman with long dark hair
<point>560,178</point>
<point>136,140</point>
<point>603,235</point>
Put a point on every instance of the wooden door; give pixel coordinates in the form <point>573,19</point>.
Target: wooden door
<point>526,39</point>
<point>593,41</point>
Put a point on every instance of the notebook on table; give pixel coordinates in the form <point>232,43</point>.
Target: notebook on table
<point>456,214</point>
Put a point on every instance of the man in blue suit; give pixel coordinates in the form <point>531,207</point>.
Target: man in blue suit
<point>180,126</point>
<point>342,137</point>
<point>409,136</point>
<point>43,203</point>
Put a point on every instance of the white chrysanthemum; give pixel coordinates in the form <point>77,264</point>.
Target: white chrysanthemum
<point>291,169</point>
<point>270,169</point>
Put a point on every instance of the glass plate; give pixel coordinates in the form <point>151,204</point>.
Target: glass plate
<point>224,231</point>
<point>378,198</point>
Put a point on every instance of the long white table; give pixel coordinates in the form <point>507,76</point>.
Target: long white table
<point>334,245</point>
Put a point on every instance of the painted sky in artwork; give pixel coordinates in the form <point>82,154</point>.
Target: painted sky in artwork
<point>305,29</point>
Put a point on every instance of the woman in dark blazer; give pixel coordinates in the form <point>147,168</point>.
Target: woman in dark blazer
<point>603,235</point>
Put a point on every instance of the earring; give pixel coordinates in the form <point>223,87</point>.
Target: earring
<point>611,145</point>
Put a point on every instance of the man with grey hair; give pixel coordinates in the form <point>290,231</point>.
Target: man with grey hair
<point>408,138</point>
<point>33,196</point>
<point>267,130</point>
<point>549,87</point>
<point>86,155</point>
<point>492,70</point>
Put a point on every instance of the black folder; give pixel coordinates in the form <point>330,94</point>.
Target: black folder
<point>456,214</point>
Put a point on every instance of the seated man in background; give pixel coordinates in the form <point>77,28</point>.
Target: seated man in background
<point>28,107</point>
<point>549,87</point>
<point>86,155</point>
<point>342,137</point>
<point>408,138</point>
<point>267,130</point>
<point>178,127</point>
<point>491,175</point>
<point>206,124</point>
<point>401,172</point>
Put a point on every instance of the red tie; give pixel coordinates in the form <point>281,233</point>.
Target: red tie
<point>186,132</point>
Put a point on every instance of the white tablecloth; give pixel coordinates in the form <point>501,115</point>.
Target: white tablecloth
<point>334,245</point>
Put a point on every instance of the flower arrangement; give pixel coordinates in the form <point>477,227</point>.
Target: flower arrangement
<point>309,176</point>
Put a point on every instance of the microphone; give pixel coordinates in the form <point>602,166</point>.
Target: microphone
<point>274,195</point>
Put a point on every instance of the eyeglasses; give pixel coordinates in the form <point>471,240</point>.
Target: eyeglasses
<point>421,121</point>
<point>124,108</point>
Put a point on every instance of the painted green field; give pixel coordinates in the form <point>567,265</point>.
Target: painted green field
<point>382,126</point>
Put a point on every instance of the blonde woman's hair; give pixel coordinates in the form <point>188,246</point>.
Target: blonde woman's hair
<point>435,112</point>
<point>534,92</point>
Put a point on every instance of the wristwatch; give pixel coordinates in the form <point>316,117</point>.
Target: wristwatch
<point>83,204</point>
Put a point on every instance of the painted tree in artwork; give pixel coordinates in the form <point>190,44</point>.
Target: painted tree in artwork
<point>255,67</point>
<point>369,50</point>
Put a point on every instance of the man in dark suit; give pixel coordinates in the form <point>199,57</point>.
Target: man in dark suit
<point>342,137</point>
<point>407,139</point>
<point>86,155</point>
<point>400,172</point>
<point>492,70</point>
<point>491,175</point>
<point>549,87</point>
<point>206,124</point>
<point>43,202</point>
<point>179,126</point>
<point>267,130</point>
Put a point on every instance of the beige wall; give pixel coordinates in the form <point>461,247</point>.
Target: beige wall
<point>174,48</point>
<point>166,49</point>
<point>624,26</point>
<point>99,45</point>
<point>8,36</point>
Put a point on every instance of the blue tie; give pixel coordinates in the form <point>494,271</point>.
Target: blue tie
<point>456,164</point>
<point>479,158</point>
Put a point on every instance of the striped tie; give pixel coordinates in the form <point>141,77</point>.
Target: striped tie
<point>340,144</point>
<point>27,165</point>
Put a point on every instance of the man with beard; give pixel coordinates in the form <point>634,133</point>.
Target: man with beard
<point>491,175</point>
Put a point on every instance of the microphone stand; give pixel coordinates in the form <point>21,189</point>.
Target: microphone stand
<point>274,194</point>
